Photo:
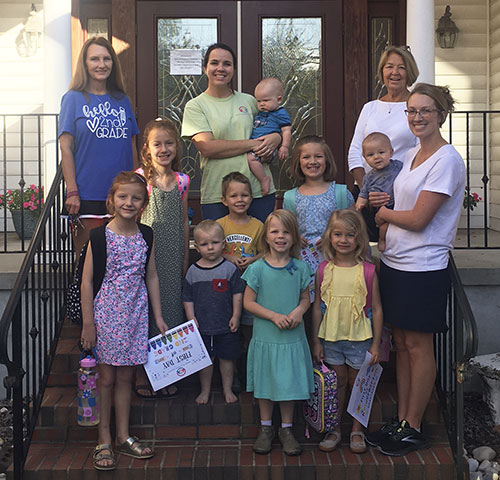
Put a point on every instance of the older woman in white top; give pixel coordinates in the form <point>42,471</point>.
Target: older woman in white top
<point>397,70</point>
<point>414,281</point>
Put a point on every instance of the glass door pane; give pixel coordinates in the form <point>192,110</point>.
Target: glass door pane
<point>291,51</point>
<point>174,91</point>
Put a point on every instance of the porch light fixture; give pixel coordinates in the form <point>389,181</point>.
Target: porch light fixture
<point>30,37</point>
<point>447,31</point>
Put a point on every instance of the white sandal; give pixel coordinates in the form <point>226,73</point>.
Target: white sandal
<point>330,444</point>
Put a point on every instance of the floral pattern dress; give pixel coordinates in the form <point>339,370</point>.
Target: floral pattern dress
<point>121,305</point>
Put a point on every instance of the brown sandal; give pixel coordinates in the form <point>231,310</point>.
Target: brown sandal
<point>98,456</point>
<point>133,447</point>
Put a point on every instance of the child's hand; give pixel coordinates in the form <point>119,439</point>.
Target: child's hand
<point>318,243</point>
<point>317,350</point>
<point>294,319</point>
<point>375,353</point>
<point>88,337</point>
<point>304,242</point>
<point>234,323</point>
<point>233,259</point>
<point>283,153</point>
<point>245,261</point>
<point>361,203</point>
<point>162,326</point>
<point>281,321</point>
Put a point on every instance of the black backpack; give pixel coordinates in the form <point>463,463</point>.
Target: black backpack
<point>99,255</point>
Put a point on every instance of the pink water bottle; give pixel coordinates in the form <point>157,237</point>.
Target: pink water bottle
<point>88,410</point>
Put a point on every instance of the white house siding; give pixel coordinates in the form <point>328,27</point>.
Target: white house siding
<point>494,52</point>
<point>465,70</point>
<point>21,92</point>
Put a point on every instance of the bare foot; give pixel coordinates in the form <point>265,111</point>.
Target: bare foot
<point>265,185</point>
<point>381,245</point>
<point>230,397</point>
<point>202,398</point>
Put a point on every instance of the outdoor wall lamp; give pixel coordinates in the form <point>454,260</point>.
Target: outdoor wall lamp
<point>447,31</point>
<point>30,37</point>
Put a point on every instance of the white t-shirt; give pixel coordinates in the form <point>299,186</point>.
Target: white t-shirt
<point>427,250</point>
<point>384,117</point>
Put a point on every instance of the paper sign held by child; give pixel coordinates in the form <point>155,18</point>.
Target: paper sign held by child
<point>312,255</point>
<point>363,391</point>
<point>175,355</point>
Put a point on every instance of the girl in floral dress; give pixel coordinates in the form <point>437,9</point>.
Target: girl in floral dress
<point>115,320</point>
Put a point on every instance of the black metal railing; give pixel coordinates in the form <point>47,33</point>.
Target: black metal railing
<point>33,317</point>
<point>475,127</point>
<point>454,349</point>
<point>27,142</point>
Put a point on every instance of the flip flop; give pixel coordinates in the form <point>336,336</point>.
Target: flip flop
<point>98,456</point>
<point>152,395</point>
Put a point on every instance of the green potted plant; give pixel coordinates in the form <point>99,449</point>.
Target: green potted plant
<point>30,201</point>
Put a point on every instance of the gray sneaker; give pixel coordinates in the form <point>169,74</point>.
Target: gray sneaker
<point>263,443</point>
<point>290,444</point>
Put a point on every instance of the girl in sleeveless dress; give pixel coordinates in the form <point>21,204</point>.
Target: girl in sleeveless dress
<point>116,320</point>
<point>279,366</point>
<point>166,214</point>
<point>342,329</point>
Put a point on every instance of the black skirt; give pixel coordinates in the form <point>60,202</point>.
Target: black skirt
<point>414,300</point>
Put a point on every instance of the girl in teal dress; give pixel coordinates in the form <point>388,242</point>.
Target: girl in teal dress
<point>279,361</point>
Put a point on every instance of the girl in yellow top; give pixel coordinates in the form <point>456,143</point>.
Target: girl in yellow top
<point>342,329</point>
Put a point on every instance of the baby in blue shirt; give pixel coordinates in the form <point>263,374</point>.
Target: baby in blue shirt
<point>271,119</point>
<point>377,151</point>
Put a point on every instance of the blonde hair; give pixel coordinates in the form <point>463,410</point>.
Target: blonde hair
<point>125,178</point>
<point>206,226</point>
<point>330,167</point>
<point>408,59</point>
<point>275,84</point>
<point>146,159</point>
<point>289,221</point>
<point>441,96</point>
<point>80,80</point>
<point>353,221</point>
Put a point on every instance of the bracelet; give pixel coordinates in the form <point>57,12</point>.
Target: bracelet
<point>74,193</point>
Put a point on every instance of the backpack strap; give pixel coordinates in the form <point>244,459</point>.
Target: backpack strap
<point>183,181</point>
<point>98,243</point>
<point>369,272</point>
<point>289,200</point>
<point>341,196</point>
<point>147,233</point>
<point>321,273</point>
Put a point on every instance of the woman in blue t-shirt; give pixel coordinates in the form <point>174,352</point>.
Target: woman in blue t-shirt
<point>97,132</point>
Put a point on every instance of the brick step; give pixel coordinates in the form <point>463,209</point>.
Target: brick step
<point>156,418</point>
<point>218,460</point>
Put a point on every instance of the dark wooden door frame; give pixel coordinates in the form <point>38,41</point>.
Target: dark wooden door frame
<point>330,13</point>
<point>147,68</point>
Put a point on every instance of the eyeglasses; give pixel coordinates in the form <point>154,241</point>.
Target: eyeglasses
<point>423,112</point>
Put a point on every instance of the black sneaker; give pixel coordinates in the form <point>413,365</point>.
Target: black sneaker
<point>378,436</point>
<point>403,440</point>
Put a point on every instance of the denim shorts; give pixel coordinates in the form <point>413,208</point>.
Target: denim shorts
<point>345,351</point>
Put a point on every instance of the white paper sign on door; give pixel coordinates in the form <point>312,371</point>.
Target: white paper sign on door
<point>185,62</point>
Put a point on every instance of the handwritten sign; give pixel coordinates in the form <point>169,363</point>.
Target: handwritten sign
<point>363,391</point>
<point>311,254</point>
<point>185,62</point>
<point>175,355</point>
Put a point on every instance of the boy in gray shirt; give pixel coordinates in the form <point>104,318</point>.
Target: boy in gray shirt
<point>377,151</point>
<point>212,297</point>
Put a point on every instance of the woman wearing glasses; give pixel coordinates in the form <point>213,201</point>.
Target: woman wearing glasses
<point>414,282</point>
<point>397,70</point>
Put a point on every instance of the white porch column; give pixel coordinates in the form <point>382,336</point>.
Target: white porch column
<point>420,36</point>
<point>57,73</point>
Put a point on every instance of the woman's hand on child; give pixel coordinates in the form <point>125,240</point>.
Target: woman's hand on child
<point>268,144</point>
<point>379,217</point>
<point>378,199</point>
<point>88,337</point>
<point>234,323</point>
